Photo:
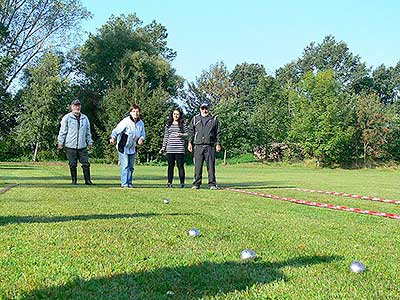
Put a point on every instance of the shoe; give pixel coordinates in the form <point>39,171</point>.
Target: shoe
<point>130,186</point>
<point>195,187</point>
<point>213,187</point>
<point>169,185</point>
<point>182,185</point>
<point>89,182</point>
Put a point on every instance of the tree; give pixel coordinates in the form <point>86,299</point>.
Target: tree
<point>44,101</point>
<point>213,85</point>
<point>125,58</point>
<point>31,26</point>
<point>328,55</point>
<point>374,125</point>
<point>271,117</point>
<point>386,83</point>
<point>245,78</point>
<point>322,118</point>
<point>102,53</point>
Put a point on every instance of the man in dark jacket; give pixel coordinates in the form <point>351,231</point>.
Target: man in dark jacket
<point>204,135</point>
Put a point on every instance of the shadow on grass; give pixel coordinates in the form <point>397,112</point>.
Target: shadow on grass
<point>68,178</point>
<point>184,282</point>
<point>16,167</point>
<point>4,220</point>
<point>81,185</point>
<point>258,185</point>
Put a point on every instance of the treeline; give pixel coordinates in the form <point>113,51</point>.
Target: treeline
<point>327,105</point>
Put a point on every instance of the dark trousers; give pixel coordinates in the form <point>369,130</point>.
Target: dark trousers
<point>73,155</point>
<point>203,153</point>
<point>179,158</point>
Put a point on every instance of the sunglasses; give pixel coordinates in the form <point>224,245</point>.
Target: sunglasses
<point>204,108</point>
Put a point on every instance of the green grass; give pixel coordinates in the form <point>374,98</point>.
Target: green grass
<point>103,242</point>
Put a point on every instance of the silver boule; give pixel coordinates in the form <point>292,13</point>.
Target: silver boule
<point>357,267</point>
<point>194,232</point>
<point>166,201</point>
<point>248,254</point>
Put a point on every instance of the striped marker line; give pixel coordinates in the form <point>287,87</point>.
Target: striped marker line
<point>370,198</point>
<point>318,204</point>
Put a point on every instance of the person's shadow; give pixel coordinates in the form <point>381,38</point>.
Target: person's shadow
<point>206,279</point>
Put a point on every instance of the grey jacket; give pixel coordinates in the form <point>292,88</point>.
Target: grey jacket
<point>205,134</point>
<point>72,136</point>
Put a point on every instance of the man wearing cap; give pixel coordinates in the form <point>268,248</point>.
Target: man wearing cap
<point>75,135</point>
<point>204,135</point>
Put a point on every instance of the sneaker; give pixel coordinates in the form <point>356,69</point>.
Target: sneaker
<point>182,185</point>
<point>169,185</point>
<point>195,187</point>
<point>130,186</point>
<point>213,187</point>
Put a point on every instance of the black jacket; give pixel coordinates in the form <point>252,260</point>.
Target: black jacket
<point>207,134</point>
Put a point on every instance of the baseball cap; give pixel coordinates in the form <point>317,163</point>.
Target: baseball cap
<point>204,104</point>
<point>76,102</point>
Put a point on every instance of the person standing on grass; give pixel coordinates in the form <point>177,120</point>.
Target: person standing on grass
<point>75,135</point>
<point>204,134</point>
<point>174,145</point>
<point>128,133</point>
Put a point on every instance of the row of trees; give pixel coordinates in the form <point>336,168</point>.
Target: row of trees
<point>326,105</point>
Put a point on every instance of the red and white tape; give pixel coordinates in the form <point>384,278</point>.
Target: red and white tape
<point>370,198</point>
<point>318,204</point>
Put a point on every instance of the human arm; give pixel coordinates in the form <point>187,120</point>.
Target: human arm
<point>218,147</point>
<point>142,135</point>
<point>62,133</point>
<point>89,139</point>
<point>117,131</point>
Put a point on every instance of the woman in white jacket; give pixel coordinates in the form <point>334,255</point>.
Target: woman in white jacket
<point>128,133</point>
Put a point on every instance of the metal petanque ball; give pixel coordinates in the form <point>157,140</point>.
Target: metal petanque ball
<point>248,254</point>
<point>166,201</point>
<point>357,267</point>
<point>194,232</point>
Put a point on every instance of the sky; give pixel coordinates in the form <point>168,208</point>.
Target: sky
<point>271,33</point>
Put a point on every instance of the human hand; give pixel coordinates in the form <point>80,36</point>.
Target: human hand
<point>190,147</point>
<point>218,148</point>
<point>112,141</point>
<point>60,146</point>
<point>162,151</point>
<point>140,141</point>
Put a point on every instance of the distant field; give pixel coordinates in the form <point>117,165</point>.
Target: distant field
<point>104,242</point>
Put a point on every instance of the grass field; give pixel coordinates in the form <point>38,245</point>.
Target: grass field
<point>103,242</point>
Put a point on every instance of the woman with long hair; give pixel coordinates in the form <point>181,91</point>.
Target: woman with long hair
<point>173,145</point>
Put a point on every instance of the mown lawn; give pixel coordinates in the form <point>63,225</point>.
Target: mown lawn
<point>103,242</point>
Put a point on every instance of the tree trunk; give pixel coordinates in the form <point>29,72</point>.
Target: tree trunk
<point>225,157</point>
<point>35,152</point>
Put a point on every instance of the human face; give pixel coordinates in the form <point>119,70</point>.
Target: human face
<point>135,113</point>
<point>76,109</point>
<point>175,115</point>
<point>204,111</point>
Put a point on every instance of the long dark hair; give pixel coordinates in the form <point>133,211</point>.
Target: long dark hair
<point>181,121</point>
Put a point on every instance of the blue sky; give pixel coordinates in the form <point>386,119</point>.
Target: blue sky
<point>271,33</point>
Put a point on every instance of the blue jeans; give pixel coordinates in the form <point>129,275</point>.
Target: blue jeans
<point>126,162</point>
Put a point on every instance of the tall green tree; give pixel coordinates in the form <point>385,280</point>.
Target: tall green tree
<point>271,117</point>
<point>126,58</point>
<point>330,54</point>
<point>322,118</point>
<point>45,99</point>
<point>386,83</point>
<point>213,85</point>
